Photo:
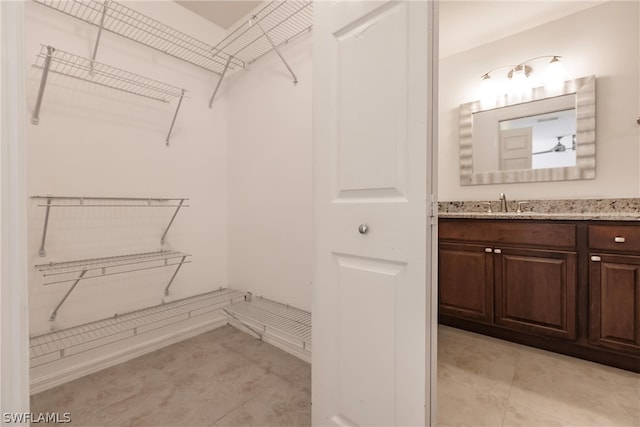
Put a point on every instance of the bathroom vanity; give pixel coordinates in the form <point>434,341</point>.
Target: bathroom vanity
<point>566,282</point>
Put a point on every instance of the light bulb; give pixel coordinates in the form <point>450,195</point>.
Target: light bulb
<point>555,75</point>
<point>487,92</point>
<point>519,82</point>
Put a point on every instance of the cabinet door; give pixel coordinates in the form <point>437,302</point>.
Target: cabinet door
<point>466,281</point>
<point>614,307</point>
<point>536,291</point>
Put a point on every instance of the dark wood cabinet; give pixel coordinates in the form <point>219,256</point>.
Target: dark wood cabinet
<point>567,286</point>
<point>614,312</point>
<point>536,291</point>
<point>614,287</point>
<point>495,271</point>
<point>466,274</point>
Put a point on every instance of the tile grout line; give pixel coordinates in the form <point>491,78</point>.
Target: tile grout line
<point>513,378</point>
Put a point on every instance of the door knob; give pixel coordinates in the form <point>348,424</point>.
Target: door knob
<point>363,229</point>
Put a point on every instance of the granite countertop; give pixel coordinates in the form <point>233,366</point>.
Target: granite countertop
<point>576,209</point>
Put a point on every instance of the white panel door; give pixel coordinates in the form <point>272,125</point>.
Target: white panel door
<point>516,148</point>
<point>373,112</point>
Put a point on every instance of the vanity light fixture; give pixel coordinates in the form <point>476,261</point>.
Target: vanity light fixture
<point>518,77</point>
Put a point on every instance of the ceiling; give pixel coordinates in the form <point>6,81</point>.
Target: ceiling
<point>223,13</point>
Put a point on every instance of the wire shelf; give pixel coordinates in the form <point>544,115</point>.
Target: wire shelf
<point>264,316</point>
<point>126,22</point>
<point>134,202</point>
<point>97,267</point>
<point>71,65</point>
<point>281,20</point>
<point>106,202</point>
<point>66,342</point>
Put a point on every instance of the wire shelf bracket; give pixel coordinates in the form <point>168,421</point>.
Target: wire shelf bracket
<point>53,60</point>
<point>101,267</point>
<point>268,29</point>
<point>57,202</point>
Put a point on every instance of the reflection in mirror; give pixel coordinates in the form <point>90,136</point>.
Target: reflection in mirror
<point>551,137</point>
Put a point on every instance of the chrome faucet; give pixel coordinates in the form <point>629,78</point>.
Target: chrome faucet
<point>503,203</point>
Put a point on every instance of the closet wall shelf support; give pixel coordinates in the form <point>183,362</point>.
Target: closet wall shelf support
<point>54,313</point>
<point>182,261</point>
<point>42,252</point>
<point>215,91</point>
<point>175,115</point>
<point>233,316</point>
<point>108,266</point>
<point>164,235</point>
<point>135,202</point>
<point>70,65</point>
<point>100,27</point>
<point>35,117</point>
<point>275,48</point>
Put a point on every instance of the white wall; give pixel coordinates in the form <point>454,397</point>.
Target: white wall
<point>270,223</point>
<point>604,41</point>
<point>94,141</point>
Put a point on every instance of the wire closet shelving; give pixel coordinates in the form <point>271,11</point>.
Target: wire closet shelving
<point>265,317</point>
<point>59,344</point>
<point>107,266</point>
<point>273,25</point>
<point>78,270</point>
<point>53,60</point>
<point>101,202</point>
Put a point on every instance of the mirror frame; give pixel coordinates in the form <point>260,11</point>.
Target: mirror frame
<point>585,168</point>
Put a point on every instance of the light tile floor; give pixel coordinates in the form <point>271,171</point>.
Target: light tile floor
<point>228,378</point>
<point>483,381</point>
<point>221,378</point>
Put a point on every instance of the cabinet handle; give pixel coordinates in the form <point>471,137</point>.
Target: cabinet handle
<point>619,239</point>
<point>595,258</point>
<point>488,250</point>
<point>497,251</point>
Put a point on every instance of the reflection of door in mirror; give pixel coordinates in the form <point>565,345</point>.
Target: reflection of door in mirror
<point>549,138</point>
<point>548,119</point>
<point>515,148</point>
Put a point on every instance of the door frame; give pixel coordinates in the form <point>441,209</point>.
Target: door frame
<point>432,264</point>
<point>14,356</point>
<point>14,308</point>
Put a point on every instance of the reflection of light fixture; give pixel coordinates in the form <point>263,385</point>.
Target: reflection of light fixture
<point>518,76</point>
<point>559,146</point>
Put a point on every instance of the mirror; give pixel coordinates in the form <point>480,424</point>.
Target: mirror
<point>543,136</point>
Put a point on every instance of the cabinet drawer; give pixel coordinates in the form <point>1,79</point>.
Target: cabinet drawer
<point>614,237</point>
<point>561,236</point>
